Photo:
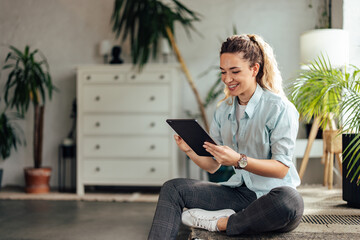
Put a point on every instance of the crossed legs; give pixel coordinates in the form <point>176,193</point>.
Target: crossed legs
<point>280,210</point>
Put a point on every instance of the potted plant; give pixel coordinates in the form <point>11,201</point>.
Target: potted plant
<point>350,113</point>
<point>146,23</point>
<point>316,93</point>
<point>9,138</point>
<point>28,82</point>
<point>330,94</point>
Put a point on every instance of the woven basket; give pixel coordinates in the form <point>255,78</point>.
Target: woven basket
<point>333,141</point>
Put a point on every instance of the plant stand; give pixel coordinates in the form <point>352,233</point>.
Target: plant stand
<point>312,136</point>
<point>331,144</point>
<point>67,168</point>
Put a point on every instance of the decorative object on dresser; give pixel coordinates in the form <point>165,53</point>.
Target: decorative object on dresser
<point>115,54</point>
<point>122,136</point>
<point>28,82</point>
<point>104,50</point>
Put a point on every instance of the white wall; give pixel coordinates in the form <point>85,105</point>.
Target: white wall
<point>352,25</point>
<point>68,31</point>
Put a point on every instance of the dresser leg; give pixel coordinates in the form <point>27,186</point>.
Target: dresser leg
<point>80,189</point>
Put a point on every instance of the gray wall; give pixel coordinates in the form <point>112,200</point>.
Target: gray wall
<point>68,33</point>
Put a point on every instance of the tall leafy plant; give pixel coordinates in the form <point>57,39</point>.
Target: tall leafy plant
<point>145,23</point>
<point>316,92</point>
<point>350,112</point>
<point>331,94</point>
<point>9,137</point>
<point>28,81</point>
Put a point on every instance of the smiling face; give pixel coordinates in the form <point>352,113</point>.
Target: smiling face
<point>238,76</point>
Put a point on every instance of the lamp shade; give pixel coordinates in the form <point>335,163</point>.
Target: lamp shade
<point>332,43</point>
<point>104,47</point>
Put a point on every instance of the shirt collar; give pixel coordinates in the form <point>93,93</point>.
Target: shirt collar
<point>250,107</point>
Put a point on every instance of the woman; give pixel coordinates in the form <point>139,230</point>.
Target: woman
<point>256,128</point>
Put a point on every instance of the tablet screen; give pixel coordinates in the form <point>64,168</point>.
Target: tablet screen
<point>192,133</point>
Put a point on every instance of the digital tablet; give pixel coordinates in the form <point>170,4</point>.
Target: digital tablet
<point>192,133</point>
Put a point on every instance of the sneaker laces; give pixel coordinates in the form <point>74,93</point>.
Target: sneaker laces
<point>204,222</point>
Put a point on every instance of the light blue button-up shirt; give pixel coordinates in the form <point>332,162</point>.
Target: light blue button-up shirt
<point>267,130</point>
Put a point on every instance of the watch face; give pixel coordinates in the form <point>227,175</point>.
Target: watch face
<point>243,162</point>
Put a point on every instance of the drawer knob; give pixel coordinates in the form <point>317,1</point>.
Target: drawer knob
<point>133,77</point>
<point>97,98</point>
<point>152,124</point>
<point>97,169</point>
<point>97,124</point>
<point>152,98</point>
<point>88,77</point>
<point>97,146</point>
<point>152,147</point>
<point>161,76</point>
<point>116,77</point>
<point>152,169</point>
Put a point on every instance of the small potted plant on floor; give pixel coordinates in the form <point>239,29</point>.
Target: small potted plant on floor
<point>334,94</point>
<point>28,82</point>
<point>316,93</point>
<point>350,113</point>
<point>9,138</point>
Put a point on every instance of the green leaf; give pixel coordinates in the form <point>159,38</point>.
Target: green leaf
<point>145,23</point>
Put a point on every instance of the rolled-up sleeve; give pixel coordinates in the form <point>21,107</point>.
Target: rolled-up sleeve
<point>284,133</point>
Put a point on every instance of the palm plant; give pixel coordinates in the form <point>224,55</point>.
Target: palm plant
<point>9,137</point>
<point>28,81</point>
<point>327,94</point>
<point>316,92</point>
<point>146,22</point>
<point>350,109</point>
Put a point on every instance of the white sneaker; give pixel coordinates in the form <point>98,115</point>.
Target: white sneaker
<point>200,218</point>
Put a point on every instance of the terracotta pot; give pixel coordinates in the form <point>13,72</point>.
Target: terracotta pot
<point>37,180</point>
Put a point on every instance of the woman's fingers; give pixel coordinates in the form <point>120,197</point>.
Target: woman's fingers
<point>212,147</point>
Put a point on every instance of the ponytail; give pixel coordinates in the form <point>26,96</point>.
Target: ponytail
<point>256,50</point>
<point>271,77</point>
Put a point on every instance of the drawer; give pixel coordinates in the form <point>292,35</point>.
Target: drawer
<point>130,146</point>
<point>129,170</point>
<point>126,98</point>
<point>147,77</point>
<point>102,77</point>
<point>125,124</point>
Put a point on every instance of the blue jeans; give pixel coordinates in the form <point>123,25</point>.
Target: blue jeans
<point>280,210</point>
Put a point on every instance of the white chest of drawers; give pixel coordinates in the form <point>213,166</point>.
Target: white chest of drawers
<point>122,136</point>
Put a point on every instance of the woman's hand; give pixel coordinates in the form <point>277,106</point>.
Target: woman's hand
<point>182,144</point>
<point>223,154</point>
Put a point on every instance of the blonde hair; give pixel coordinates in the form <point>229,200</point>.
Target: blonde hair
<point>255,50</point>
